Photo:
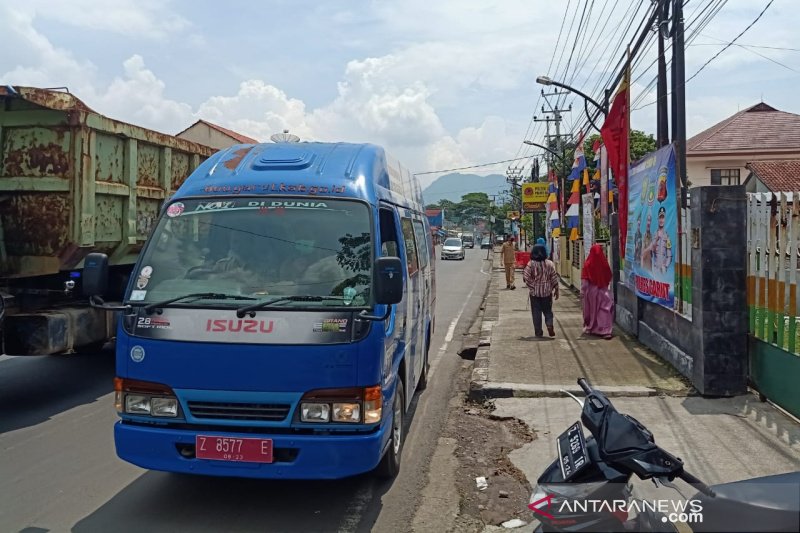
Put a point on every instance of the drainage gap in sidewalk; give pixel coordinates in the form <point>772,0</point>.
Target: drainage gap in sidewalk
<point>468,352</point>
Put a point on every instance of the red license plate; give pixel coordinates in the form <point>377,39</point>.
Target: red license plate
<point>233,449</point>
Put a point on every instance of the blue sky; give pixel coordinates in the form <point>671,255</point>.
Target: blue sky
<point>441,84</point>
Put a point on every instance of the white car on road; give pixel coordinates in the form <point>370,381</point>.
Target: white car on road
<point>453,248</point>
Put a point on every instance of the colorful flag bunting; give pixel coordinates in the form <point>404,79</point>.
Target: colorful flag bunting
<point>580,160</point>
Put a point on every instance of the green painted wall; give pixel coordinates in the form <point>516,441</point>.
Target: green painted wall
<point>775,373</point>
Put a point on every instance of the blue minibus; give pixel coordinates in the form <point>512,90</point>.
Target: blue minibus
<point>279,318</point>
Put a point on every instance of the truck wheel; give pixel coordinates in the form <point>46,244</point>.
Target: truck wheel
<point>389,466</point>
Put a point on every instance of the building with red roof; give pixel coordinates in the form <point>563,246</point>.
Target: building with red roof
<point>213,135</point>
<point>720,154</point>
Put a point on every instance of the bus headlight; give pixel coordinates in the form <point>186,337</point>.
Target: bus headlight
<point>352,405</point>
<point>137,404</point>
<point>164,407</point>
<point>315,412</point>
<point>346,412</point>
<point>144,398</point>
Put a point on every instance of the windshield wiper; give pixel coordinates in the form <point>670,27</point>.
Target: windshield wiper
<point>197,296</point>
<point>299,298</point>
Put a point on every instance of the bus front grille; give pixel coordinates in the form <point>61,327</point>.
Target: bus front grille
<point>260,412</point>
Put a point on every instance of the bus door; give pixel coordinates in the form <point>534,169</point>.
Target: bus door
<point>414,307</point>
<point>424,254</point>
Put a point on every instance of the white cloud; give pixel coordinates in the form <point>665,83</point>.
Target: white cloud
<point>31,59</point>
<point>152,19</point>
<point>471,146</point>
<point>138,97</point>
<point>375,104</point>
<point>258,110</point>
<point>441,85</point>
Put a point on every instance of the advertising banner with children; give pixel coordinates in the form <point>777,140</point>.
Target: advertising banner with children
<point>651,247</point>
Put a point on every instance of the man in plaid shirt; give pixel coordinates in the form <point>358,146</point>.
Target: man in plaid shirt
<point>542,280</point>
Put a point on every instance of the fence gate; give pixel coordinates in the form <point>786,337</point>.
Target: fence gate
<point>773,235</point>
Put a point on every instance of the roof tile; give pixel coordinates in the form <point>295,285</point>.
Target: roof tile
<point>777,175</point>
<point>756,129</point>
<point>244,139</point>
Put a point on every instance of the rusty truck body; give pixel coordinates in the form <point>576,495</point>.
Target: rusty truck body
<point>73,181</point>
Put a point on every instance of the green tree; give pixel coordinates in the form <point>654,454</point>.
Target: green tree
<point>472,206</point>
<point>641,143</point>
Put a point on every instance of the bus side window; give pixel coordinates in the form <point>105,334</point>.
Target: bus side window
<point>411,250</point>
<point>422,247</point>
<point>388,234</point>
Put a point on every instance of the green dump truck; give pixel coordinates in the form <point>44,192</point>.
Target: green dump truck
<point>72,182</point>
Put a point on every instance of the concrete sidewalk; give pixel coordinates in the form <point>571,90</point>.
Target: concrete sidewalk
<point>516,363</point>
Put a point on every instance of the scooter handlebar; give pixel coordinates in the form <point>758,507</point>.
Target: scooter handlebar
<point>585,386</point>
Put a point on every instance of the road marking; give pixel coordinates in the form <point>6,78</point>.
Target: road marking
<point>448,337</point>
<point>486,273</point>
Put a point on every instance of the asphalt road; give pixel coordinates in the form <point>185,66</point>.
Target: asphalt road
<point>59,471</point>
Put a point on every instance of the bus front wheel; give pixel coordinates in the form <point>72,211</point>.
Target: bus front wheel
<point>389,466</point>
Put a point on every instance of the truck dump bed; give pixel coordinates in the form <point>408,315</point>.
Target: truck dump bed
<point>73,181</point>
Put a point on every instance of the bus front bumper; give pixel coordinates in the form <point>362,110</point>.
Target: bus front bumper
<point>295,456</point>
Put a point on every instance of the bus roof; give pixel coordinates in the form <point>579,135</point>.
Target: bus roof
<point>340,170</point>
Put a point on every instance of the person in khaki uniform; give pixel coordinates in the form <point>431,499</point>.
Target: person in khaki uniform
<point>507,252</point>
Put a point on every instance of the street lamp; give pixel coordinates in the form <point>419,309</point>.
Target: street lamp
<point>561,157</point>
<point>544,80</point>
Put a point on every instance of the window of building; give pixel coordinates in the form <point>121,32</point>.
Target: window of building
<point>725,176</point>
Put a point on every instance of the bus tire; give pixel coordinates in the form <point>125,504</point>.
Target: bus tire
<point>389,466</point>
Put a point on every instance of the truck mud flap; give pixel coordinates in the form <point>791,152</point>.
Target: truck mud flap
<point>56,331</point>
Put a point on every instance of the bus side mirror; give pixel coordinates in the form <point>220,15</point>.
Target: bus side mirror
<point>95,274</point>
<point>388,280</point>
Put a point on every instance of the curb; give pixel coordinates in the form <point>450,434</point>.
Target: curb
<point>480,370</point>
<point>484,389</point>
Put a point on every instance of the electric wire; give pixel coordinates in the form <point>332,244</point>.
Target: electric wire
<point>473,166</point>
<point>697,32</point>
<point>732,42</point>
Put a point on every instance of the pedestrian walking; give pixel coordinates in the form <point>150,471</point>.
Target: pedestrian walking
<point>509,261</point>
<point>598,306</point>
<point>542,280</point>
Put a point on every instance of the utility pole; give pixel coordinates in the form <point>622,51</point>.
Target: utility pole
<point>556,112</point>
<point>662,6</point>
<point>514,175</point>
<point>559,148</point>
<point>679,93</point>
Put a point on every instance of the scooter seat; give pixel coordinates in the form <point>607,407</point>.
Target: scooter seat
<point>770,503</point>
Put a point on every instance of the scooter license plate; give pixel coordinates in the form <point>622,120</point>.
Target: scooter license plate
<point>572,456</point>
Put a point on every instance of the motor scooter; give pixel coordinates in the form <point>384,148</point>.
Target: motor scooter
<point>588,487</point>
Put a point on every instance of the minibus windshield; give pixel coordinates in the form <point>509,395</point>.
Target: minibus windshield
<point>259,248</point>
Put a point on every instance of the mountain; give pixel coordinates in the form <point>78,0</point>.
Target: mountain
<point>453,186</point>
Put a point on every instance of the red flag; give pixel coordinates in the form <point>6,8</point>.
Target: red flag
<point>615,132</point>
